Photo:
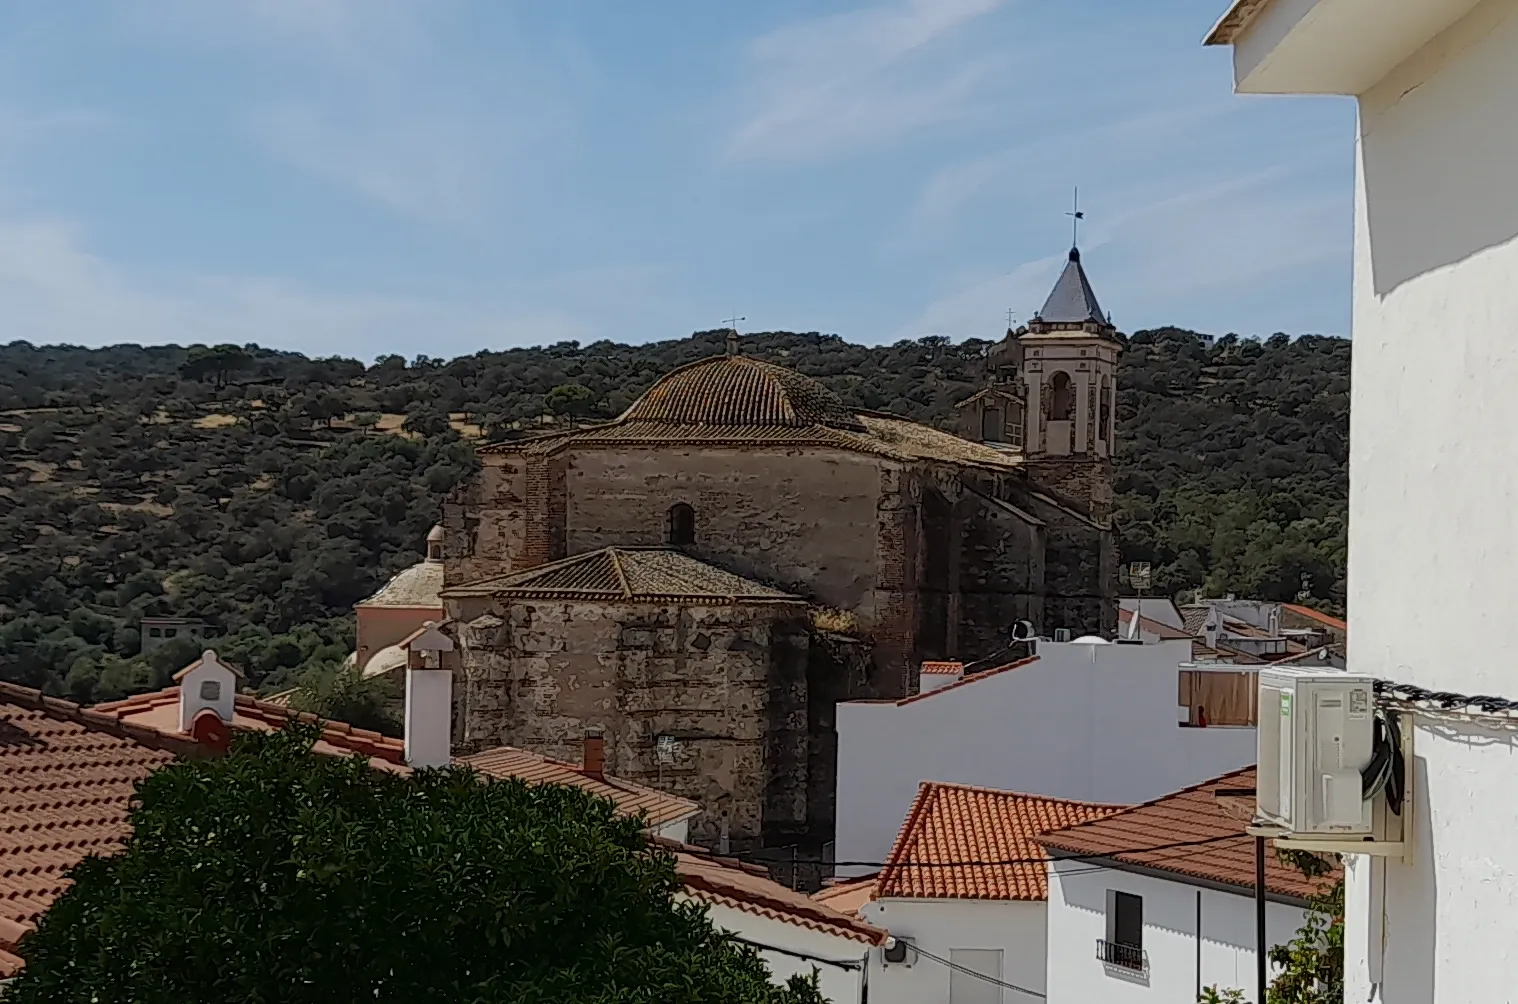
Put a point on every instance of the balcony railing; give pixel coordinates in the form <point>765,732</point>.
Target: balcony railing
<point>1114,953</point>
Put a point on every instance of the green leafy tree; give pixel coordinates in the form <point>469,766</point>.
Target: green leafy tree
<point>1312,962</point>
<point>570,399</point>
<point>217,362</point>
<point>274,874</point>
<point>339,692</point>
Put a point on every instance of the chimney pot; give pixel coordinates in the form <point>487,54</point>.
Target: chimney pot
<point>594,755</point>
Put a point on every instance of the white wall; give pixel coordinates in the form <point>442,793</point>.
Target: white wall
<point>1091,722</point>
<point>1156,608</point>
<point>941,925</point>
<point>1433,527</point>
<point>1078,919</point>
<point>841,986</point>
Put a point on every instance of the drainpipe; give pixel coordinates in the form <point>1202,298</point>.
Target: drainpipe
<point>1199,944</point>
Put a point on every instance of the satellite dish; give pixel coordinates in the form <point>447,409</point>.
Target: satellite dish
<point>1020,631</point>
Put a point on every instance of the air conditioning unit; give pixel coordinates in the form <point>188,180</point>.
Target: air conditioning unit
<point>1316,734</point>
<point>1061,634</point>
<point>898,952</point>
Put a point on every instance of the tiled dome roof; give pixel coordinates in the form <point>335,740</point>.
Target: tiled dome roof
<point>733,390</point>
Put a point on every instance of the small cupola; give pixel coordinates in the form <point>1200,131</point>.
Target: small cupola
<point>435,544</point>
<point>207,685</point>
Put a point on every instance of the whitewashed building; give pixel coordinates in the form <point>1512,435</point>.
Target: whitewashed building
<point>1087,722</point>
<point>968,931</point>
<point>1128,926</point>
<point>793,934</point>
<point>1433,552</point>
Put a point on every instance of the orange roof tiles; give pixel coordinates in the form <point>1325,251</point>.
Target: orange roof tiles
<point>848,896</point>
<point>951,827</point>
<point>160,710</point>
<point>641,574</point>
<point>1192,814</point>
<point>749,888</point>
<point>659,807</point>
<point>66,778</point>
<point>1327,620</point>
<point>942,668</point>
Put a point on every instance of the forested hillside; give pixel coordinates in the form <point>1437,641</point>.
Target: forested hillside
<point>268,492</point>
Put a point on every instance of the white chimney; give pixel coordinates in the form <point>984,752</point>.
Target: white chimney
<point>207,683</point>
<point>429,698</point>
<point>1212,627</point>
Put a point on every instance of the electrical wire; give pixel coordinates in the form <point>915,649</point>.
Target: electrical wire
<point>980,976</point>
<point>841,964</point>
<point>1447,700</point>
<point>1114,852</point>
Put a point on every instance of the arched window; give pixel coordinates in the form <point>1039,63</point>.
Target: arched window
<point>682,524</point>
<point>1059,406</point>
<point>1104,422</point>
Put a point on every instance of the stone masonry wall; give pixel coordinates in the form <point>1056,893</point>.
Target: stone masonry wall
<point>485,522</point>
<point>727,682</point>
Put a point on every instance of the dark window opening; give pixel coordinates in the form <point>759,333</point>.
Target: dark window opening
<point>1124,944</point>
<point>682,524</point>
<point>1060,405</point>
<point>990,425</point>
<point>170,632</point>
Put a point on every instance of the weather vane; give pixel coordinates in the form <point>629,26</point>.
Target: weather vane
<point>1076,216</point>
<point>732,322</point>
<point>732,333</point>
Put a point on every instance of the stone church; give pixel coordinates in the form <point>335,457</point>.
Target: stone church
<point>702,579</point>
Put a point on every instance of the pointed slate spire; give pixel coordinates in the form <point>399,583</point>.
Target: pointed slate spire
<point>1072,300</point>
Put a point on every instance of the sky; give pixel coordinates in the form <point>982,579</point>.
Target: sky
<point>438,177</point>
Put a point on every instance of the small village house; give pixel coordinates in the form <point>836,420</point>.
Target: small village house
<point>1082,721</point>
<point>1433,579</point>
<point>971,932</point>
<point>1129,926</point>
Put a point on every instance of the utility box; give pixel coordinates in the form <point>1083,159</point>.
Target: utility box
<point>1316,734</point>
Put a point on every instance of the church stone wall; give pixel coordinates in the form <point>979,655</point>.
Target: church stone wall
<point>797,519</point>
<point>1001,578</point>
<point>728,682</point>
<point>485,522</point>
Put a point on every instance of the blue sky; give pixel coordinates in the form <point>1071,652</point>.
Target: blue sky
<point>436,177</point>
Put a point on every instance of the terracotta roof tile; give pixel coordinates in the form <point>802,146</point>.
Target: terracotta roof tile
<point>629,574</point>
<point>942,668</point>
<point>973,678</point>
<point>950,826</point>
<point>508,761</point>
<point>738,390</point>
<point>1337,623</point>
<point>1154,627</point>
<point>748,888</point>
<point>1194,813</point>
<point>66,779</point>
<point>849,896</point>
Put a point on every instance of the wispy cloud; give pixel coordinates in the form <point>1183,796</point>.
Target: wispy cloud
<point>363,95</point>
<point>851,81</point>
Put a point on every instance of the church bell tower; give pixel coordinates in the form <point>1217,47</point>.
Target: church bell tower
<point>1069,352</point>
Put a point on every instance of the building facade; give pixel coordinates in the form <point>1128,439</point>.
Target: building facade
<point>1093,723</point>
<point>1430,487</point>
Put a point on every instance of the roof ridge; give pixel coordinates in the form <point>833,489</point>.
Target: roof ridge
<point>62,710</point>
<point>616,564</point>
<point>1179,792</point>
<point>1010,793</point>
<point>967,679</point>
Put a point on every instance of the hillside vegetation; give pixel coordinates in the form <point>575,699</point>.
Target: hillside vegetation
<point>267,492</point>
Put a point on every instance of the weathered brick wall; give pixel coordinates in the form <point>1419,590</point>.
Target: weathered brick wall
<point>729,682</point>
<point>1084,483</point>
<point>485,522</point>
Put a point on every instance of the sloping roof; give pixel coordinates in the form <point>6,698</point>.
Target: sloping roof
<point>952,826</point>
<point>942,668</point>
<point>659,807</point>
<point>966,681</point>
<point>67,776</point>
<point>1234,21</point>
<point>417,586</point>
<point>159,710</point>
<point>849,896</point>
<point>1154,627</point>
<point>1327,620</point>
<point>1072,300</point>
<point>630,574</point>
<point>1194,813</point>
<point>736,390</point>
<point>749,888</point>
